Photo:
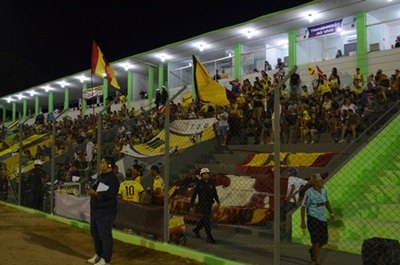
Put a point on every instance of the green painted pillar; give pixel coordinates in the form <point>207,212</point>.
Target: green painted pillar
<point>160,75</point>
<point>292,48</point>
<point>237,61</point>
<point>105,92</point>
<point>51,101</point>
<point>130,90</point>
<point>37,105</point>
<point>150,91</point>
<point>14,111</point>
<point>362,49</point>
<point>66,98</point>
<point>194,95</point>
<point>4,113</point>
<point>24,109</point>
<point>84,102</point>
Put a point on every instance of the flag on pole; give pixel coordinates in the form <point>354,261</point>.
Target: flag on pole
<point>101,67</point>
<point>207,89</point>
<point>311,70</point>
<point>320,72</point>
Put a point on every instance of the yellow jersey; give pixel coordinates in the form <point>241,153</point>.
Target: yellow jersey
<point>129,190</point>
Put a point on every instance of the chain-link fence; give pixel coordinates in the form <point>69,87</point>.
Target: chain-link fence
<point>236,181</point>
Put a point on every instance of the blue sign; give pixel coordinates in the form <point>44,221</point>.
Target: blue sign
<point>323,29</point>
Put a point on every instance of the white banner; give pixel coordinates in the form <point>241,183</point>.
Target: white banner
<point>191,127</point>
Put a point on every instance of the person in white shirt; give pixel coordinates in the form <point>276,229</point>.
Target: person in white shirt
<point>295,183</point>
<point>89,152</point>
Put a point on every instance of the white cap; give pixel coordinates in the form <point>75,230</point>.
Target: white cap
<point>38,162</point>
<point>204,170</point>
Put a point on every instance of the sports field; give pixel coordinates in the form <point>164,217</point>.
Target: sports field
<point>31,239</point>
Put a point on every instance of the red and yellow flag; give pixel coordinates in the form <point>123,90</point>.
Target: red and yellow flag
<point>101,67</point>
<point>320,72</point>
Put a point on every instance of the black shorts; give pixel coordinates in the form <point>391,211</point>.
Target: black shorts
<point>318,230</point>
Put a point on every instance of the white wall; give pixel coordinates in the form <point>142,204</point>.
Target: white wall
<point>387,60</point>
<point>309,51</point>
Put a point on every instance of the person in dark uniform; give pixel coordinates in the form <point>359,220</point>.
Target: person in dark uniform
<point>3,182</point>
<point>207,193</point>
<point>103,210</point>
<point>37,180</point>
<point>157,99</point>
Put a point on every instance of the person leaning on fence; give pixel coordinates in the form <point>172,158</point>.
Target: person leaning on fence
<point>207,193</point>
<point>103,210</point>
<point>316,203</point>
<point>295,183</point>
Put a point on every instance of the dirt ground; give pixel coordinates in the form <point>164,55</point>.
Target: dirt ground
<point>32,240</point>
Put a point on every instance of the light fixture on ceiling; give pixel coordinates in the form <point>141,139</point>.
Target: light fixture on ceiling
<point>63,83</point>
<point>163,56</point>
<point>248,32</point>
<point>126,66</point>
<point>201,47</point>
<point>82,78</point>
<point>9,99</point>
<point>310,17</point>
<point>32,92</point>
<point>47,88</point>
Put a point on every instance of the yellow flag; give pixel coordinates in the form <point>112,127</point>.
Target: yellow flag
<point>207,89</point>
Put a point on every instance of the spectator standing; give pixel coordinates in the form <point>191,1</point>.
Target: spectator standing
<point>294,83</point>
<point>89,152</point>
<point>397,42</point>
<point>207,193</point>
<point>293,188</point>
<point>36,181</point>
<point>217,76</point>
<point>3,182</point>
<point>224,74</point>
<point>130,189</point>
<point>222,125</point>
<point>158,183</point>
<point>103,210</point>
<point>157,98</point>
<point>164,95</point>
<point>316,203</point>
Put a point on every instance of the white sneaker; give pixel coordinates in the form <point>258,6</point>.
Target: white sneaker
<point>93,259</point>
<point>101,262</point>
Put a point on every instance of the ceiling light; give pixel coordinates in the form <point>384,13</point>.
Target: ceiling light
<point>248,32</point>
<point>32,92</point>
<point>82,78</point>
<point>310,18</point>
<point>163,57</point>
<point>126,66</point>
<point>47,88</point>
<point>9,99</point>
<point>63,83</point>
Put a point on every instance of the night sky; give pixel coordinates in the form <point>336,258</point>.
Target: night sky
<point>46,40</point>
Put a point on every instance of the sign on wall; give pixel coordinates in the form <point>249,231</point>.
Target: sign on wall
<point>93,92</point>
<point>331,27</point>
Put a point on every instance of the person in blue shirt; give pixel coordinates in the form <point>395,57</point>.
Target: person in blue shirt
<point>316,203</point>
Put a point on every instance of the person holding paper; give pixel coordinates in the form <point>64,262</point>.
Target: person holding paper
<point>103,210</point>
